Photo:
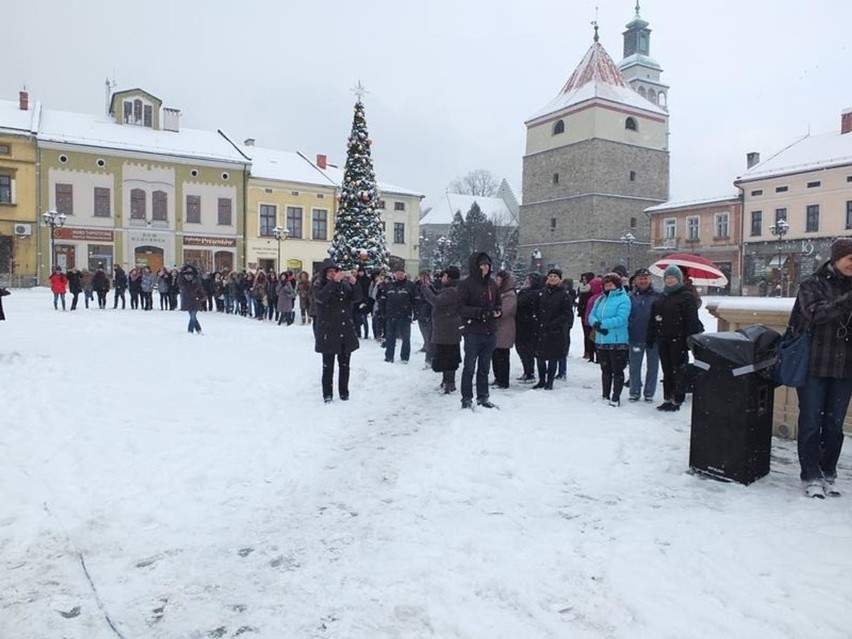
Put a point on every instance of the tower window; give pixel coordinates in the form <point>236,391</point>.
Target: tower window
<point>633,176</point>
<point>652,95</point>
<point>642,92</point>
<point>559,127</point>
<point>633,222</point>
<point>630,124</point>
<point>553,224</point>
<point>556,178</point>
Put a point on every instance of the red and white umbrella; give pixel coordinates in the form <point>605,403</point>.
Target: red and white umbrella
<point>700,270</point>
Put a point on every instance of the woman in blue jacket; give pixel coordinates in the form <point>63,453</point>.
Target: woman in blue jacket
<point>608,318</point>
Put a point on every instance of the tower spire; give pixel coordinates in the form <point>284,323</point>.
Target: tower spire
<point>637,9</point>
<point>595,24</point>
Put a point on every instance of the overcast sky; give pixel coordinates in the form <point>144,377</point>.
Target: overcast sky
<point>450,82</point>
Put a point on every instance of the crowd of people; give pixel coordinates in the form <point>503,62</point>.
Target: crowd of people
<point>630,328</point>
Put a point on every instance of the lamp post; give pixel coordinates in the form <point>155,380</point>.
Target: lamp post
<point>628,238</point>
<point>280,234</point>
<point>53,220</point>
<point>779,230</point>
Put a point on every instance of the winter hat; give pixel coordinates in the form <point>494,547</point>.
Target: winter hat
<point>555,271</point>
<point>483,259</point>
<point>840,248</point>
<point>612,278</point>
<point>327,264</point>
<point>453,272</point>
<point>675,271</point>
<point>640,272</point>
<point>620,269</point>
<point>535,279</point>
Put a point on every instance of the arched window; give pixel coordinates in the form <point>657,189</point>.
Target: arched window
<point>559,127</point>
<point>630,124</point>
<point>642,92</point>
<point>652,95</point>
<point>661,99</point>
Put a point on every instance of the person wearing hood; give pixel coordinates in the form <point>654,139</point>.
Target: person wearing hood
<point>823,307</point>
<point>609,317</point>
<point>58,286</point>
<point>120,281</point>
<point>445,327</point>
<point>554,311</point>
<point>526,324</point>
<point>192,297</point>
<point>505,329</point>
<point>333,295</point>
<point>674,317</point>
<point>479,308</point>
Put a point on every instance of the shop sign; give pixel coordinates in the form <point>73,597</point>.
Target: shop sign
<point>148,238</point>
<point>196,240</point>
<point>84,235</point>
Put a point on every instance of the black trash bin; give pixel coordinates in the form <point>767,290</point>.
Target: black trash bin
<point>732,402</point>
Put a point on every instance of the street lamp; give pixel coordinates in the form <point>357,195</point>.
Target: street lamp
<point>779,230</point>
<point>281,234</point>
<point>628,238</point>
<point>53,220</point>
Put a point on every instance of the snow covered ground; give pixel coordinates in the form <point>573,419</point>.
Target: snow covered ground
<point>189,487</point>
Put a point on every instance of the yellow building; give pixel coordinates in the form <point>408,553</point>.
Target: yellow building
<point>18,193</point>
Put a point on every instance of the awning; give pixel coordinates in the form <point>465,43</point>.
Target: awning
<point>776,262</point>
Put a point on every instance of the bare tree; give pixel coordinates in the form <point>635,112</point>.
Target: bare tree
<point>478,182</point>
<point>505,239</point>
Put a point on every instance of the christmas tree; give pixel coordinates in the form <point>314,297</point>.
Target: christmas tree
<point>359,239</point>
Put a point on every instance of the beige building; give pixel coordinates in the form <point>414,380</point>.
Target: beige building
<point>19,210</point>
<point>711,228</point>
<point>794,204</point>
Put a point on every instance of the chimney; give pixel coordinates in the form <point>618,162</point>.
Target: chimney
<point>846,121</point>
<point>171,119</point>
<point>24,100</point>
<point>752,158</point>
<point>322,160</point>
<point>249,141</point>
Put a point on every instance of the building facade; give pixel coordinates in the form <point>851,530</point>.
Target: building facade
<point>137,195</point>
<point>19,210</point>
<point>596,157</point>
<point>710,228</point>
<point>794,204</point>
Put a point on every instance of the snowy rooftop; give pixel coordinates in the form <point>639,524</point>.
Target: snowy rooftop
<point>807,153</point>
<point>335,174</point>
<point>12,118</point>
<point>596,77</point>
<point>639,58</point>
<point>494,208</point>
<point>287,166</point>
<point>101,131</point>
<point>692,203</point>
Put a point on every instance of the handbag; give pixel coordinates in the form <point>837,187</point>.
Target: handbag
<point>793,353</point>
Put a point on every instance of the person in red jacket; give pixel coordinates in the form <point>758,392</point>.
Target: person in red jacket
<point>58,286</point>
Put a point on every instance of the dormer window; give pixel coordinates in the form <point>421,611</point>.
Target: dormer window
<point>137,113</point>
<point>630,124</point>
<point>559,127</point>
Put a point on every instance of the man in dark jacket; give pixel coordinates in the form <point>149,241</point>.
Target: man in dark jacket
<point>642,298</point>
<point>333,295</point>
<point>526,324</point>
<point>479,307</point>
<point>100,284</point>
<point>75,285</point>
<point>555,309</point>
<point>397,300</point>
<point>361,311</point>
<point>120,282</point>
<point>192,297</point>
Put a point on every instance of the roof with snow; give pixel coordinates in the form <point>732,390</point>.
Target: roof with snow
<point>286,166</point>
<point>691,204</point>
<point>335,174</point>
<point>808,153</point>
<point>495,209</point>
<point>102,132</point>
<point>596,78</point>
<point>16,121</point>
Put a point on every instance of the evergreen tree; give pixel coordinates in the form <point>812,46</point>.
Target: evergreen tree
<point>359,239</point>
<point>459,248</point>
<point>480,231</point>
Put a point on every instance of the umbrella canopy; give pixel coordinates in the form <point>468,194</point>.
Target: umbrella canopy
<point>700,270</point>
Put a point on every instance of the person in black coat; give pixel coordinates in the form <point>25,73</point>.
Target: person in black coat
<point>333,295</point>
<point>445,335</point>
<point>526,324</point>
<point>584,294</point>
<point>120,283</point>
<point>555,308</point>
<point>674,317</point>
<point>192,296</point>
<point>397,299</point>
<point>75,285</point>
<point>3,293</point>
<point>100,284</point>
<point>479,307</point>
